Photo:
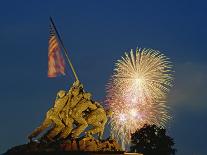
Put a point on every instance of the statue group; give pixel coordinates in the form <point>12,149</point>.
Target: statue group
<point>72,113</point>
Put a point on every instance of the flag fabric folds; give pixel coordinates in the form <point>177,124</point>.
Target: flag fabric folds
<point>56,63</point>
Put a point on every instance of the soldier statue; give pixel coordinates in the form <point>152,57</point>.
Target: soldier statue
<point>71,114</point>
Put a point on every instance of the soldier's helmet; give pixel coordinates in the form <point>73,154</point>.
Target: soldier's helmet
<point>61,93</point>
<point>77,84</point>
<point>75,91</point>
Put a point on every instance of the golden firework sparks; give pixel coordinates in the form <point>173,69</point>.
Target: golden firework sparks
<point>137,91</point>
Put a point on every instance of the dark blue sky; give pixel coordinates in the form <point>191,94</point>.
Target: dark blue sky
<point>97,33</point>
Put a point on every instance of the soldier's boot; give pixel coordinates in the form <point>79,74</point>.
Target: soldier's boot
<point>46,139</point>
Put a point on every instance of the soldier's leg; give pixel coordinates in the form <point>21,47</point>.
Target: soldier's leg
<point>82,124</point>
<point>46,123</point>
<point>57,129</point>
<point>94,130</point>
<point>102,126</point>
<point>68,128</point>
<point>100,134</point>
<point>98,127</point>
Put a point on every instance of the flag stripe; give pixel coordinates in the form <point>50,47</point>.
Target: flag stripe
<point>56,63</point>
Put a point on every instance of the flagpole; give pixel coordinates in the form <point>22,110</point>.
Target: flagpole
<point>65,51</point>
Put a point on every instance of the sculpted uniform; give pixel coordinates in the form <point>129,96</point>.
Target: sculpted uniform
<point>73,107</point>
<point>77,95</point>
<point>97,118</point>
<point>78,112</point>
<point>52,117</point>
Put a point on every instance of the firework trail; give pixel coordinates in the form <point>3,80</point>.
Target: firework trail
<point>137,92</point>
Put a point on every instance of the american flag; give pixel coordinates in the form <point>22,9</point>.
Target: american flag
<point>56,63</point>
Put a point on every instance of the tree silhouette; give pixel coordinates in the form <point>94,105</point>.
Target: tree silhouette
<point>152,140</point>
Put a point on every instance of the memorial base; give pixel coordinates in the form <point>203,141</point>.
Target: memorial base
<point>86,145</point>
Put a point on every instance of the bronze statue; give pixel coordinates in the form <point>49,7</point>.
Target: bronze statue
<point>72,108</point>
<point>53,117</point>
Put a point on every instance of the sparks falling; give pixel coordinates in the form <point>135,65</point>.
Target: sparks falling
<point>137,92</point>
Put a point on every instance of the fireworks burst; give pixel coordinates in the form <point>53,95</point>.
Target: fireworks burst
<point>137,92</point>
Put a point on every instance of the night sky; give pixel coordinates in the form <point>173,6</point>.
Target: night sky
<point>97,33</point>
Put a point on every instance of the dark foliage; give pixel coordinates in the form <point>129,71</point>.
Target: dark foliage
<point>152,140</point>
